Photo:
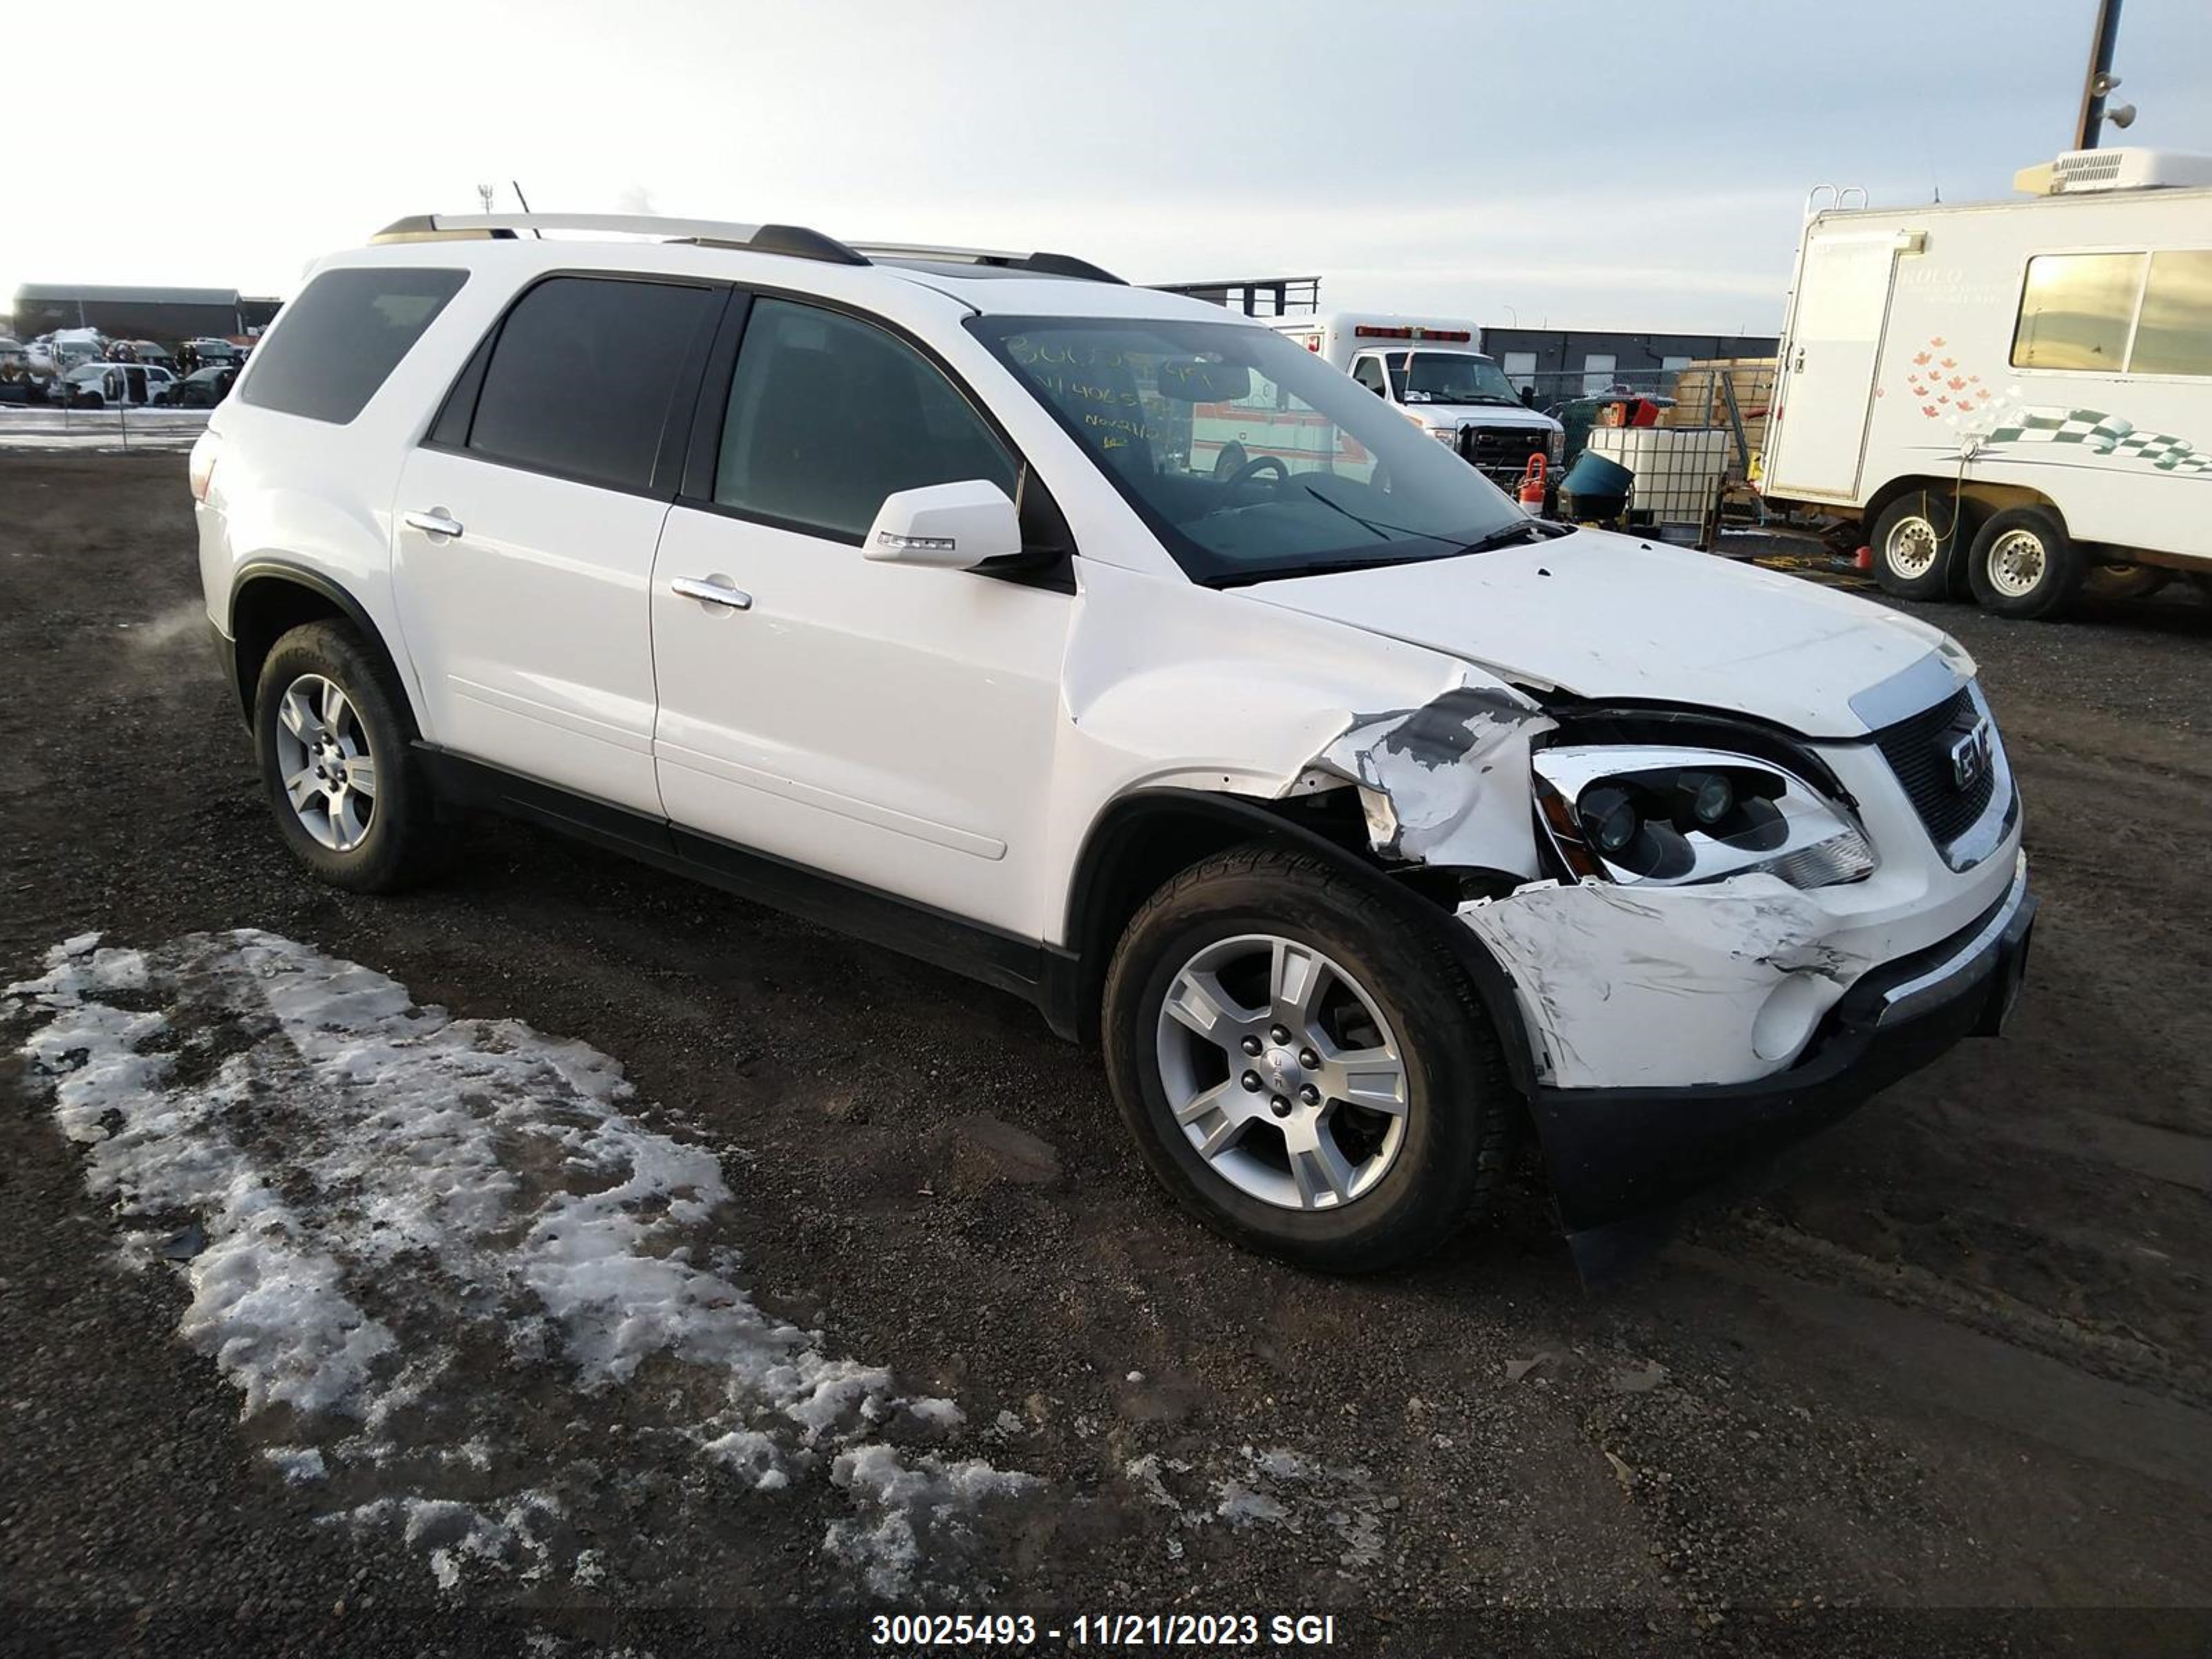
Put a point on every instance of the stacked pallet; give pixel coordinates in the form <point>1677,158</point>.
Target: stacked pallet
<point>1701,401</point>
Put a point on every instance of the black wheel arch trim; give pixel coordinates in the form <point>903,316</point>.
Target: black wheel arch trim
<point>1083,965</point>
<point>266,568</point>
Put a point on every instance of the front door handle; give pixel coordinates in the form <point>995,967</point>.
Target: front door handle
<point>713,591</point>
<point>433,522</point>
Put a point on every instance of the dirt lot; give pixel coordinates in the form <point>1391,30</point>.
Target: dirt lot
<point>1958,1357</point>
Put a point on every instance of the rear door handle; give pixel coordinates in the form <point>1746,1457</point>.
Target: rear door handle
<point>712,592</point>
<point>433,522</point>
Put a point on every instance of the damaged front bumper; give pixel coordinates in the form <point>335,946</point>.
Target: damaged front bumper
<point>1622,1160</point>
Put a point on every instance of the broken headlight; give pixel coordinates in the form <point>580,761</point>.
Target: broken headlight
<point>1666,818</point>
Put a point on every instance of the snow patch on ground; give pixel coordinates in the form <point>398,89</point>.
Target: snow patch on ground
<point>406,1221</point>
<point>1279,1488</point>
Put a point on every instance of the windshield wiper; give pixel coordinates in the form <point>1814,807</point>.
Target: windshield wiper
<point>1384,531</point>
<point>1505,535</point>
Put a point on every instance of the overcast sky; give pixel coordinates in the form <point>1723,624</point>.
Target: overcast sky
<point>1586,165</point>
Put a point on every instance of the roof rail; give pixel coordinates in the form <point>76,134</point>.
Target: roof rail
<point>794,240</point>
<point>1045,264</point>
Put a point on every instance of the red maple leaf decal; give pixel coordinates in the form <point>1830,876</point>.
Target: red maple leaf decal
<point>1956,384</point>
<point>1936,340</point>
<point>1930,410</point>
<point>1976,379</point>
<point>1921,358</point>
<point>1943,398</point>
<point>1948,363</point>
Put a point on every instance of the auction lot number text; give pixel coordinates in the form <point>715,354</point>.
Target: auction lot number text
<point>1104,1630</point>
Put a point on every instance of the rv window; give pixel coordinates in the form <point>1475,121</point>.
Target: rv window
<point>2075,310</point>
<point>2175,334</point>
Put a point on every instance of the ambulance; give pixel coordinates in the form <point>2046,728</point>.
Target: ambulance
<point>1428,369</point>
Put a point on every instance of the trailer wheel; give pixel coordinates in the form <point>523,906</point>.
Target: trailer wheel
<point>1916,541</point>
<point>2123,582</point>
<point>2024,564</point>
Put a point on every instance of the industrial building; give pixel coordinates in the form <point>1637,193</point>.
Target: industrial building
<point>138,314</point>
<point>1557,361</point>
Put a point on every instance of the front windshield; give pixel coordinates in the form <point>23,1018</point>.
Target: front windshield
<point>1449,377</point>
<point>1249,456</point>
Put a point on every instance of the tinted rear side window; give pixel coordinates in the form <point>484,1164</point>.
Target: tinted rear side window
<point>342,336</point>
<point>581,378</point>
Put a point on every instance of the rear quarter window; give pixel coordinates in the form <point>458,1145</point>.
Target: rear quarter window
<point>340,339</point>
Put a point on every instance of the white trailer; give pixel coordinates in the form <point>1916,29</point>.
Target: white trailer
<point>2013,398</point>
<point>1428,369</point>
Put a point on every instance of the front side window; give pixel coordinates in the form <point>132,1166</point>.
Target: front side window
<point>2174,335</point>
<point>1248,456</point>
<point>2074,311</point>
<point>1369,373</point>
<point>582,375</point>
<point>829,415</point>
<point>339,341</point>
<point>1449,377</point>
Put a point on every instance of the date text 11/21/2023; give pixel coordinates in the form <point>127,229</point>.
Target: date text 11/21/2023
<point>901,1630</point>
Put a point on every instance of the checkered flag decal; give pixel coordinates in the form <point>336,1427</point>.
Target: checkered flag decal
<point>2102,434</point>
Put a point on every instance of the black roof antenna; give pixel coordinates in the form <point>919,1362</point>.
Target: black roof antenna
<point>515,184</point>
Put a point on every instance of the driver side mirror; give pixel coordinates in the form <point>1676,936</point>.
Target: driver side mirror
<point>949,526</point>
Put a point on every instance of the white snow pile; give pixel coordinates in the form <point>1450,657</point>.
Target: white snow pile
<point>429,1253</point>
<point>1277,1488</point>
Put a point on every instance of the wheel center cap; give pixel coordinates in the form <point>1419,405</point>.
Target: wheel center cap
<point>1283,1069</point>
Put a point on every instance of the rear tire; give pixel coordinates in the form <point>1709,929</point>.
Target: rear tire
<point>334,739</point>
<point>1916,541</point>
<point>1388,1016</point>
<point>2024,565</point>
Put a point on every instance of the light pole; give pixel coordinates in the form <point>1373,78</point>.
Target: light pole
<point>2100,80</point>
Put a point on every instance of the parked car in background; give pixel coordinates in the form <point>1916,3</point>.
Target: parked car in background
<point>203,388</point>
<point>69,348</point>
<point>1360,818</point>
<point>18,384</point>
<point>142,351</point>
<point>208,349</point>
<point>110,386</point>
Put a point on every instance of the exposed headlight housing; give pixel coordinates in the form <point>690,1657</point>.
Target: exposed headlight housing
<point>1670,818</point>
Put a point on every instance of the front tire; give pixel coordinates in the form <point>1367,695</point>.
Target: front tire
<point>1307,1071</point>
<point>2024,565</point>
<point>1917,540</point>
<point>335,739</point>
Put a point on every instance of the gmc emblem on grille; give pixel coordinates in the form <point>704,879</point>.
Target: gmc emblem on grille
<point>1970,757</point>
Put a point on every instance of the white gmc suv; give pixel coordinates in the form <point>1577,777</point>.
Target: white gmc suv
<point>1361,819</point>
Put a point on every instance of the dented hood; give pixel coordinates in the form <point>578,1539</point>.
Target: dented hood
<point>1605,616</point>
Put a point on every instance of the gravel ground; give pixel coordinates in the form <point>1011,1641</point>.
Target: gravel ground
<point>1944,1383</point>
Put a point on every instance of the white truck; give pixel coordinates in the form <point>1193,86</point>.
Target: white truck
<point>1428,369</point>
<point>2014,398</point>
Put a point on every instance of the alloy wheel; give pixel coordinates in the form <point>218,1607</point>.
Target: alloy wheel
<point>2017,562</point>
<point>1912,547</point>
<point>323,755</point>
<point>1282,1072</point>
